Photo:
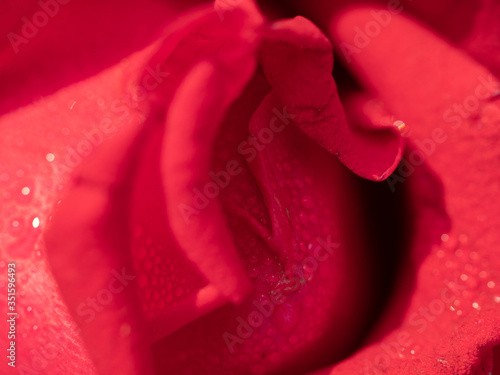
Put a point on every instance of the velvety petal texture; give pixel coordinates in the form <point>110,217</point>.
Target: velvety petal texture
<point>183,186</point>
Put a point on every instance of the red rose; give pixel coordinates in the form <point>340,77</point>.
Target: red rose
<point>203,220</point>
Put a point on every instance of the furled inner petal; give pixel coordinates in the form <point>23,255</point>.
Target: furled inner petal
<point>294,217</point>
<point>297,59</point>
<point>182,251</point>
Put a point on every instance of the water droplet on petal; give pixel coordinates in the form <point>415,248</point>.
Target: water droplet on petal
<point>125,330</point>
<point>307,202</point>
<point>287,317</point>
<point>253,273</point>
<point>275,357</point>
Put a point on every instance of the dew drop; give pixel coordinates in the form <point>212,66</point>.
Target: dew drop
<point>298,255</point>
<point>491,284</point>
<point>142,280</point>
<point>253,273</point>
<point>287,317</point>
<point>50,157</point>
<point>275,357</point>
<point>399,124</point>
<point>141,252</point>
<point>307,202</point>
<point>251,200</point>
<point>303,217</point>
<point>299,183</point>
<point>271,332</point>
<point>273,279</point>
<point>25,190</point>
<point>179,291</point>
<point>293,339</point>
<point>125,330</point>
<point>302,246</point>
<point>213,359</point>
<point>36,222</point>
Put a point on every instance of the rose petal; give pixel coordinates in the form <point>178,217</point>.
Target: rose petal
<point>451,301</point>
<point>88,226</point>
<point>297,59</point>
<point>181,265</point>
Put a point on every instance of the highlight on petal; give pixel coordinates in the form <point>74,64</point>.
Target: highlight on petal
<point>297,59</point>
<point>191,126</point>
<point>230,44</point>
